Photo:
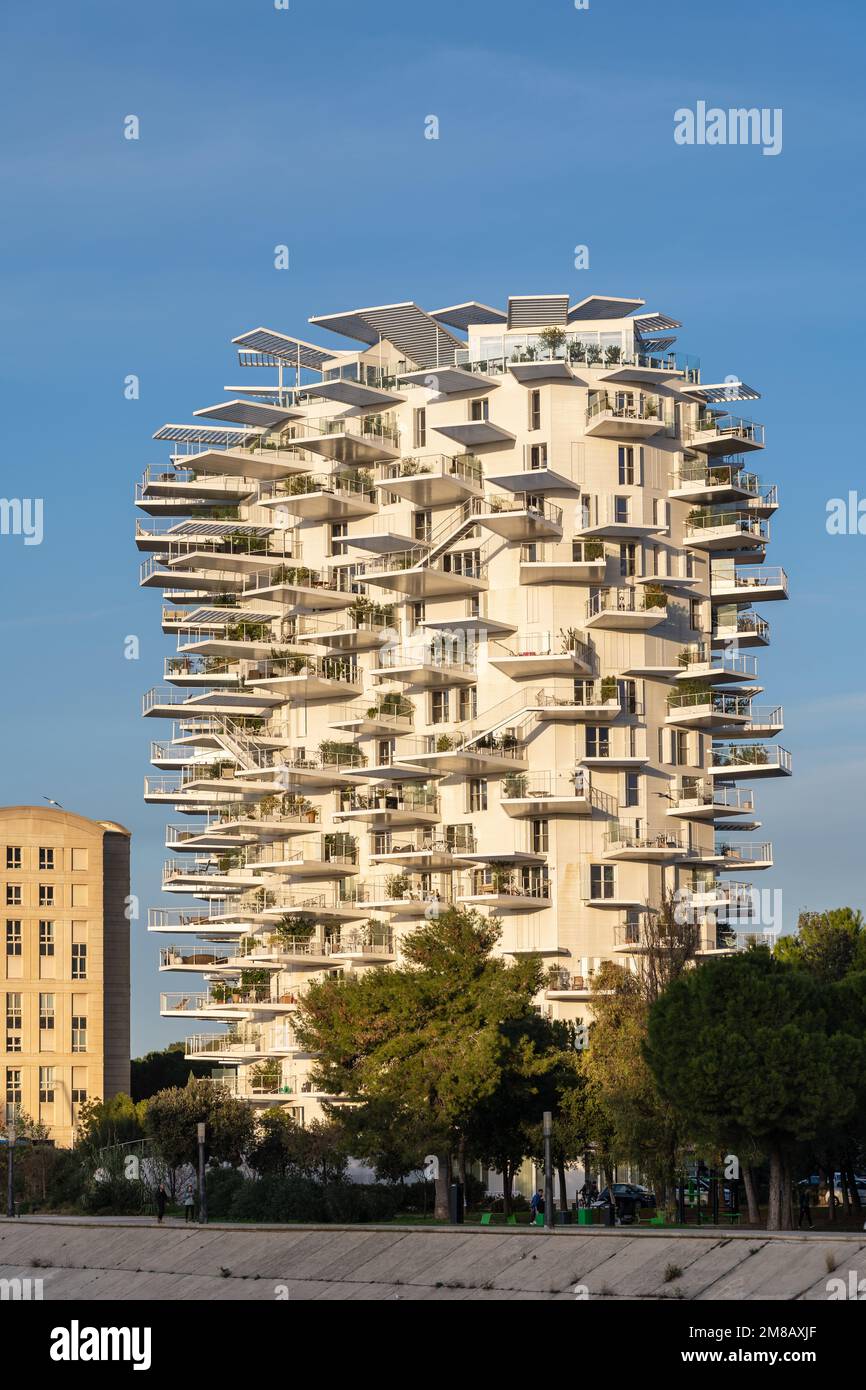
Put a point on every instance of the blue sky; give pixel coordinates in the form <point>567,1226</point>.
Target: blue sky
<point>305,127</point>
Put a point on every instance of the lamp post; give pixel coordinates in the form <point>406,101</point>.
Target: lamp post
<point>547,1128</point>
<point>202,1188</point>
<point>11,1137</point>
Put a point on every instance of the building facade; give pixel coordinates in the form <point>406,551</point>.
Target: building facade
<point>66,964</point>
<point>463,612</point>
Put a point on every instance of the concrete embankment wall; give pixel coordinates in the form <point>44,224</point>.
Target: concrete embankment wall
<point>126,1259</point>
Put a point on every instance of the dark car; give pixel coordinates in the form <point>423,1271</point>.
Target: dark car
<point>626,1192</point>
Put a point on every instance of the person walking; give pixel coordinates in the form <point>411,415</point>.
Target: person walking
<point>536,1205</point>
<point>161,1197</point>
<point>189,1202</point>
<point>805,1208</point>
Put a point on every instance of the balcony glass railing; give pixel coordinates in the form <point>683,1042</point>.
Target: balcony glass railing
<point>747,577</point>
<point>739,755</point>
<point>722,424</point>
<point>358,485</point>
<point>646,600</point>
<point>743,523</point>
<point>625,405</point>
<point>465,467</point>
<point>368,427</point>
<point>716,475</point>
<point>493,355</point>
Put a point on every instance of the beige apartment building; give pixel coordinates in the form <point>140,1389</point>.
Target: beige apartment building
<point>463,611</point>
<point>65,964</point>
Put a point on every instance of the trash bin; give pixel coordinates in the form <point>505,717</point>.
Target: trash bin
<point>563,1218</point>
<point>455,1204</point>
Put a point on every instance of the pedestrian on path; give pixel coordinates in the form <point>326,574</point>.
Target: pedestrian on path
<point>189,1202</point>
<point>160,1203</point>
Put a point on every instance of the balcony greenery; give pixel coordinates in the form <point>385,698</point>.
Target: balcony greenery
<point>332,750</point>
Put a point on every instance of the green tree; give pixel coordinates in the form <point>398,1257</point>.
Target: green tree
<point>830,944</point>
<point>172,1118</point>
<point>158,1071</point>
<point>427,1041</point>
<point>743,1051</point>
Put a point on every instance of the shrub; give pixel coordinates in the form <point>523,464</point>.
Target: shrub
<point>348,1202</point>
<point>278,1199</point>
<point>223,1186</point>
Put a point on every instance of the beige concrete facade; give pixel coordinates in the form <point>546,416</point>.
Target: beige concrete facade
<point>65,964</point>
<point>483,635</point>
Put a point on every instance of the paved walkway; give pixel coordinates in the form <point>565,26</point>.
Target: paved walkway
<point>84,1258</point>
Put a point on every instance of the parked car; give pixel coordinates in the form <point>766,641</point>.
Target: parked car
<point>628,1190</point>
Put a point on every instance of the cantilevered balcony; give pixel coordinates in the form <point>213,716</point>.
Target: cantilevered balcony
<point>237,634</point>
<point>706,709</point>
<point>473,431</point>
<point>433,480</point>
<point>618,518</point>
<point>402,894</point>
<point>426,851</point>
<point>209,874</point>
<point>534,475</point>
<point>333,855</point>
<point>725,530</point>
<point>164,703</point>
<point>627,610</point>
<point>576,701</point>
<point>531,654</point>
<point>381,716</point>
<point>355,384</point>
<point>368,944</point>
<point>363,628</point>
<point>764,721</point>
<point>198,671</point>
<point>305,679</point>
<point>323,498</point>
<point>154,573</point>
<point>568,562</point>
<point>624,415</point>
<point>614,748</point>
<point>266,460</point>
<point>181,491</point>
<point>484,755</point>
<point>708,484</point>
<point>728,760</point>
<point>457,574</point>
<point>748,584</point>
<point>503,888</point>
<point>697,798</point>
<point>743,629</point>
<point>426,665</point>
<point>703,662</point>
<point>392,807</point>
<point>638,843</point>
<point>193,960</point>
<point>354,441</point>
<point>170,791</point>
<point>300,587</point>
<point>524,518</point>
<point>746,856</point>
<point>716,432</point>
<point>214,921</point>
<point>548,794</point>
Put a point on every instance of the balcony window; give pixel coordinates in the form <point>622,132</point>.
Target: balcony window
<point>46,1013</point>
<point>537,457</point>
<point>476,794</point>
<point>13,1093</point>
<point>46,1085</point>
<point>13,938</point>
<point>620,510</point>
<point>535,410</point>
<point>631,789</point>
<point>628,560</point>
<point>79,1033</point>
<point>419,428</point>
<point>597,741</point>
<point>479,409</point>
<point>46,939</point>
<point>14,1022</point>
<point>626,465</point>
<point>539,836</point>
<point>439,706</point>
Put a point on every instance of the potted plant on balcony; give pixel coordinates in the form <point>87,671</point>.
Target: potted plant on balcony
<point>514,786</point>
<point>569,640</point>
<point>333,751</point>
<point>444,743</point>
<point>608,689</point>
<point>397,886</point>
<point>295,926</point>
<point>552,339</point>
<point>654,597</point>
<point>266,1077</point>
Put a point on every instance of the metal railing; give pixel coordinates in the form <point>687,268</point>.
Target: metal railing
<point>737,755</point>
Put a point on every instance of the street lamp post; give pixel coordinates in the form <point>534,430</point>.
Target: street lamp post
<point>202,1188</point>
<point>547,1128</point>
<point>11,1138</point>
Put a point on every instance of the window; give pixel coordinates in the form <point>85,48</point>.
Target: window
<point>480,409</point>
<point>597,741</point>
<point>537,457</point>
<point>628,696</point>
<point>13,894</point>
<point>422,523</point>
<point>46,938</point>
<point>384,752</point>
<point>339,530</point>
<point>476,799</point>
<point>601,881</point>
<point>539,836</point>
<point>417,614</point>
<point>46,857</point>
<point>660,511</point>
<point>13,1092</point>
<point>628,560</point>
<point>439,705</point>
<point>13,856</point>
<point>695,614</point>
<point>13,938</point>
<point>419,428</point>
<point>620,509</point>
<point>631,789</point>
<point>462,562</point>
<point>14,1023</point>
<point>46,1012</point>
<point>680,748</point>
<point>46,1085</point>
<point>467,702</point>
<point>46,895</point>
<point>473,606</point>
<point>535,410</point>
<point>79,1033</point>
<point>626,465</point>
<point>79,951</point>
